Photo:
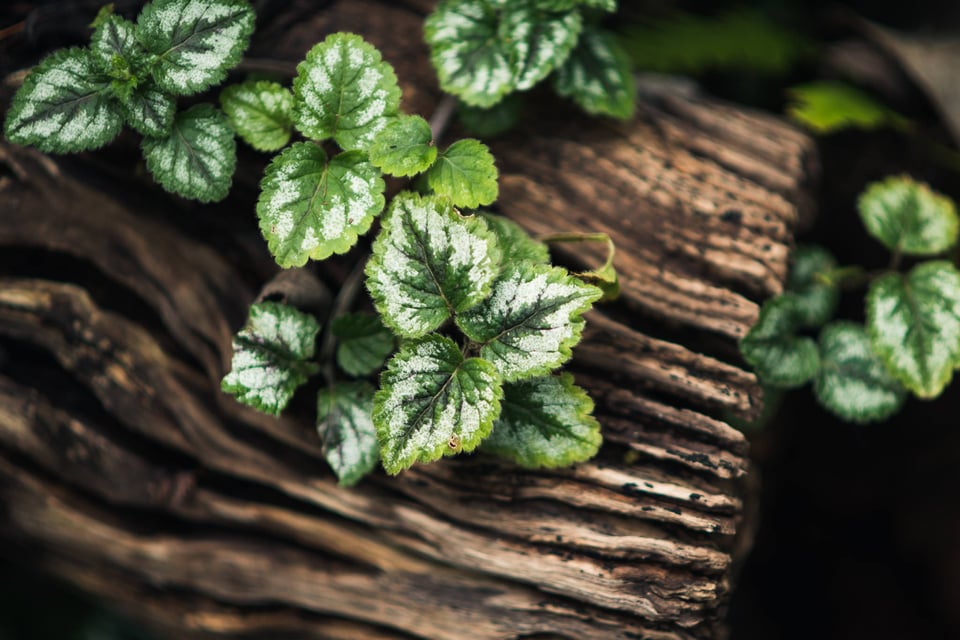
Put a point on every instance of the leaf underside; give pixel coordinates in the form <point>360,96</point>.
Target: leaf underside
<point>197,158</point>
<point>465,173</point>
<point>778,356</point>
<point>261,113</point>
<point>433,403</point>
<point>345,426</point>
<point>908,217</point>
<point>363,343</point>
<point>271,356</point>
<point>311,207</point>
<point>545,422</point>
<point>598,76</point>
<point>429,262</point>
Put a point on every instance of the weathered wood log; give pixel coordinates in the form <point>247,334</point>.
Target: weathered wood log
<point>125,471</point>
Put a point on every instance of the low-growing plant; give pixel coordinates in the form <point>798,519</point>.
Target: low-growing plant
<point>911,340</point>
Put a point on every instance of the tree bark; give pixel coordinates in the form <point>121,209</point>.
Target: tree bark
<point>125,471</point>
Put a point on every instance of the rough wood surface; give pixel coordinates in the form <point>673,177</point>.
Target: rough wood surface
<point>125,471</point>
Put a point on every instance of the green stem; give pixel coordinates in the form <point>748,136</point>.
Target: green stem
<point>343,302</point>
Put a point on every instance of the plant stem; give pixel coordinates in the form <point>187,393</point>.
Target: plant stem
<point>442,115</point>
<point>343,302</point>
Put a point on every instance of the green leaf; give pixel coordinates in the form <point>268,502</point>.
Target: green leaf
<point>914,324</point>
<point>195,41</point>
<point>429,262</point>
<point>780,357</point>
<point>64,105</point>
<point>827,107</point>
<point>536,42</point>
<point>311,208</point>
<point>197,159</point>
<point>531,320</point>
<point>271,356</point>
<point>467,53</point>
<point>150,111</point>
<point>404,147</point>
<point>344,90</point>
<point>433,403</point>
<point>545,422</point>
<point>115,46</point>
<point>345,425</point>
<point>515,243</point>
<point>364,343</point>
<point>466,174</point>
<point>261,113</point>
<point>598,76</point>
<point>853,382</point>
<point>908,217</point>
<point>814,301</point>
<point>684,43</point>
<point>492,121</point>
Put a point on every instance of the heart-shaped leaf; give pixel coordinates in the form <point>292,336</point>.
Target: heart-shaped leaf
<point>908,217</point>
<point>271,356</point>
<point>344,90</point>
<point>776,353</point>
<point>466,174</point>
<point>363,343</point>
<point>65,105</point>
<point>914,325</point>
<point>197,158</point>
<point>433,403</point>
<point>598,75</point>
<point>428,263</point>
<point>345,425</point>
<point>311,208</point>
<point>545,422</point>
<point>404,147</point>
<point>531,320</point>
<point>260,112</point>
<point>195,42</point>
<point>853,382</point>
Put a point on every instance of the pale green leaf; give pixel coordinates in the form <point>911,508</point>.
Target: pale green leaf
<point>271,356</point>
<point>64,105</point>
<point>914,324</point>
<point>150,111</point>
<point>465,48</point>
<point>908,217</point>
<point>814,301</point>
<point>598,76</point>
<point>197,158</point>
<point>515,243</point>
<point>344,90</point>
<point>433,403</point>
<point>487,122</point>
<point>195,42</point>
<point>466,174</point>
<point>776,353</point>
<point>827,107</point>
<point>345,425</point>
<point>261,113</point>
<point>531,320</point>
<point>428,263</point>
<point>545,422</point>
<point>404,147</point>
<point>536,42</point>
<point>853,382</point>
<point>311,208</point>
<point>363,343</point>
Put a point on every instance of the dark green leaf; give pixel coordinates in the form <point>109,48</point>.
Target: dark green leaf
<point>404,147</point>
<point>150,111</point>
<point>545,422</point>
<point>516,245</point>
<point>271,356</point>
<point>853,382</point>
<point>195,41</point>
<point>914,324</point>
<point>311,208</point>
<point>598,76</point>
<point>488,122</point>
<point>261,113</point>
<point>345,425</point>
<point>428,263</point>
<point>344,90</point>
<point>908,217</point>
<point>814,300</point>
<point>64,105</point>
<point>771,347</point>
<point>363,343</point>
<point>197,158</point>
<point>466,174</point>
<point>433,403</point>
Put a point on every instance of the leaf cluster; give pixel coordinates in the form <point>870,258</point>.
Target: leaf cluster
<point>78,99</point>
<point>484,50</point>
<point>911,340</point>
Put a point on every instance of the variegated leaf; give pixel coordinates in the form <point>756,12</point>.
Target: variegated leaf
<point>345,426</point>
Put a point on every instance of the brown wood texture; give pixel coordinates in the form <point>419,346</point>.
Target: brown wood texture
<point>125,471</point>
